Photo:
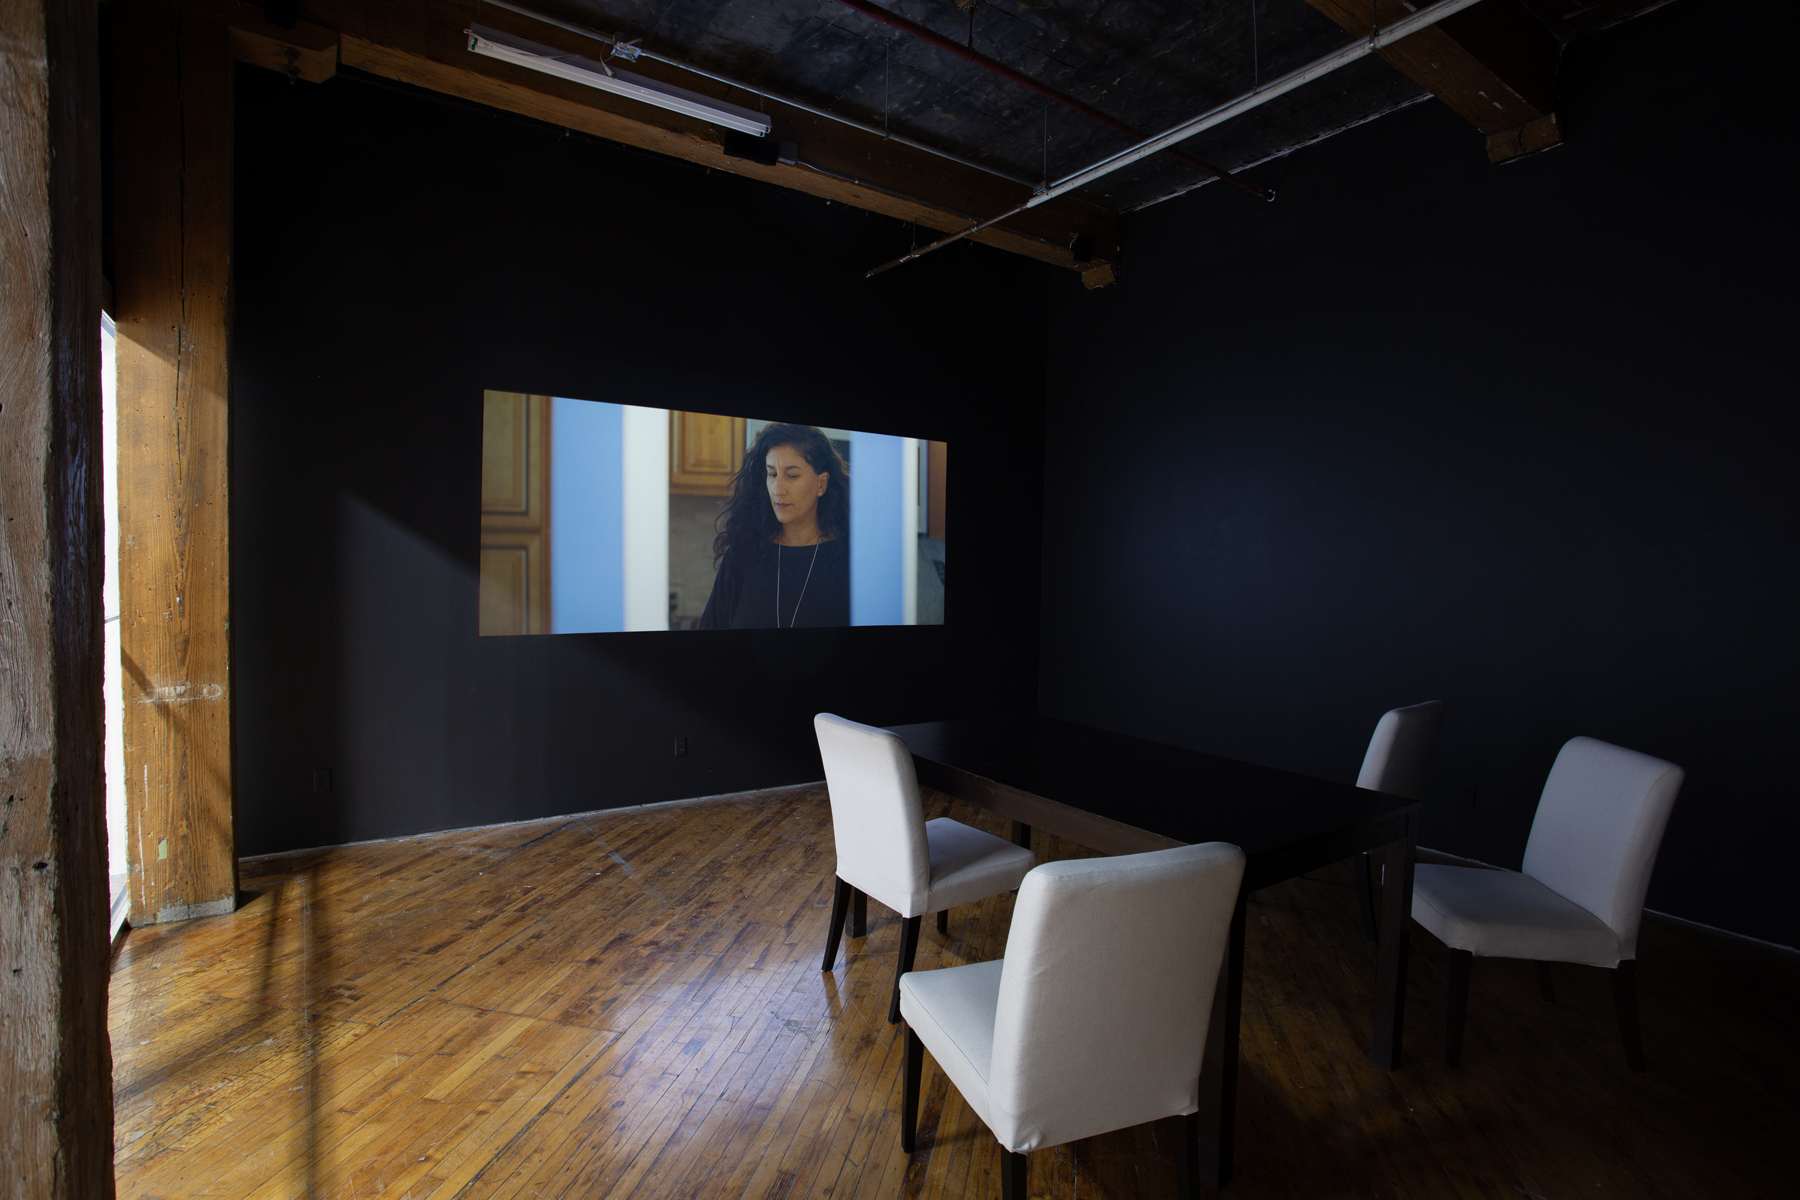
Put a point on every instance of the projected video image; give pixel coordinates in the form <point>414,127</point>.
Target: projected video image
<point>610,518</point>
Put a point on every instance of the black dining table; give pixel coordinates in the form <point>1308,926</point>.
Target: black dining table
<point>1124,795</point>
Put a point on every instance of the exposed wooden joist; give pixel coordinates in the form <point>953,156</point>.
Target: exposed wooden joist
<point>421,42</point>
<point>56,1124</point>
<point>305,53</point>
<point>1528,138</point>
<point>1494,64</point>
<point>172,190</point>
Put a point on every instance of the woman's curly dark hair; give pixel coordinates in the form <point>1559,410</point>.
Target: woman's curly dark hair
<point>748,522</point>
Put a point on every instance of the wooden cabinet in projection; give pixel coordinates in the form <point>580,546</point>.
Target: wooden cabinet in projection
<point>705,451</point>
<point>515,514</point>
<point>937,487</point>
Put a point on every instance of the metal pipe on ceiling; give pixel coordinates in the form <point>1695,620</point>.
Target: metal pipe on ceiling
<point>970,54</point>
<point>628,50</point>
<point>1359,49</point>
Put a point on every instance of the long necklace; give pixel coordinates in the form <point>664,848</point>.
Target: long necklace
<point>809,567</point>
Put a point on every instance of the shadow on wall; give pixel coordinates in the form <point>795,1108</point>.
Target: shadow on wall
<point>428,726</point>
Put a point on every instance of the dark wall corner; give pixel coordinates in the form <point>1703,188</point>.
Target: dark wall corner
<point>1515,437</point>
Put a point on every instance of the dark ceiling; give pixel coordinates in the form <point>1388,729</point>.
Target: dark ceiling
<point>1150,63</point>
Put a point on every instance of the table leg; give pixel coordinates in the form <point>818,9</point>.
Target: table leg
<point>1364,865</point>
<point>1396,925</point>
<point>1021,834</point>
<point>1219,1069</point>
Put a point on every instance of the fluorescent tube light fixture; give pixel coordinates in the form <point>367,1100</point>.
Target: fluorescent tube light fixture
<point>595,74</point>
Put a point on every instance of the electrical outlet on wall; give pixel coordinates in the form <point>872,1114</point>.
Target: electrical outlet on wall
<point>322,781</point>
<point>1468,795</point>
<point>680,747</point>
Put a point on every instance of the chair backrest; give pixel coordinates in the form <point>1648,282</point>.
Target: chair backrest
<point>876,815</point>
<point>1107,990</point>
<point>1401,750</point>
<point>1598,826</point>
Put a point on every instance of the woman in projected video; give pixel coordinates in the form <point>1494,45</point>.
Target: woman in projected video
<point>782,554</point>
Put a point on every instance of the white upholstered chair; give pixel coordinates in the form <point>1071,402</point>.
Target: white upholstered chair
<point>1097,1017</point>
<point>1395,763</point>
<point>1580,896</point>
<point>887,849</point>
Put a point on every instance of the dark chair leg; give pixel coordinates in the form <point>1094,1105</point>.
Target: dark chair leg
<point>840,902</point>
<point>1546,983</point>
<point>1364,866</point>
<point>909,949</point>
<point>943,920</point>
<point>1187,1157</point>
<point>1461,964</point>
<point>1625,1001</point>
<point>909,1100</point>
<point>1012,1175</point>
<point>859,913</point>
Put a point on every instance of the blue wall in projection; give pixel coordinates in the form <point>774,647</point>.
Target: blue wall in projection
<point>587,495</point>
<point>874,529</point>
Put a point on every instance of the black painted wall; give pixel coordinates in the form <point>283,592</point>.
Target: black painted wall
<point>1521,438</point>
<point>1518,437</point>
<point>396,254</point>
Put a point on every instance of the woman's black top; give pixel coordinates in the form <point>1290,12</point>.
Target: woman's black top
<point>743,594</point>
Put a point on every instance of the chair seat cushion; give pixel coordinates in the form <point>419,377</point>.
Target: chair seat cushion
<point>952,1011</point>
<point>1503,914</point>
<point>968,865</point>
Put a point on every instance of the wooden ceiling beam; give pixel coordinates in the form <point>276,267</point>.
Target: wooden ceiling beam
<point>1494,64</point>
<point>304,53</point>
<point>422,43</point>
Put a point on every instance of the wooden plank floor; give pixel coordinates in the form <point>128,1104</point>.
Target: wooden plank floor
<point>630,1005</point>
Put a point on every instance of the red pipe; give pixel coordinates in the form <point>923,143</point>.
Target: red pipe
<point>1005,72</point>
